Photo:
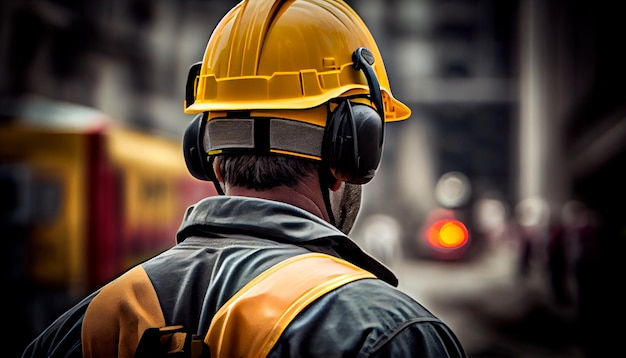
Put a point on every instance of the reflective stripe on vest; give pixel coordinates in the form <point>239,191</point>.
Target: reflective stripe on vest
<point>250,323</point>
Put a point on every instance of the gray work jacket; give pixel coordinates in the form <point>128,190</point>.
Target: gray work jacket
<point>222,244</point>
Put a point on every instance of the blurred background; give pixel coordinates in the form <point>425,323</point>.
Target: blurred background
<point>499,203</point>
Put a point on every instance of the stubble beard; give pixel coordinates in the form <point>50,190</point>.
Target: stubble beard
<point>345,204</point>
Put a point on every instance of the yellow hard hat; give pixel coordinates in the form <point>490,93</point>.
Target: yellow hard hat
<point>286,56</point>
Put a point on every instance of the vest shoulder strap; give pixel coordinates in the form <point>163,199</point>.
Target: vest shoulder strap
<point>250,323</point>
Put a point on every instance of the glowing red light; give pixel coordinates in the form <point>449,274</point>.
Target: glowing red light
<point>447,234</point>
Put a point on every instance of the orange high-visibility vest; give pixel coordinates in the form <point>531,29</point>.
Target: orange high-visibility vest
<point>250,322</point>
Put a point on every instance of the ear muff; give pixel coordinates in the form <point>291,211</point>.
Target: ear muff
<point>196,158</point>
<point>353,141</point>
<point>199,163</point>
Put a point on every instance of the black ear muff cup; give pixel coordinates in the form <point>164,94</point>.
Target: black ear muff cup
<point>353,142</point>
<point>193,149</point>
<point>369,129</point>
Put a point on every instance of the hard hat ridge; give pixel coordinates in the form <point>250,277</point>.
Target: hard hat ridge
<point>269,55</point>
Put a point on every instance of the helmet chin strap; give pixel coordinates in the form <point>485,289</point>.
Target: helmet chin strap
<point>324,176</point>
<point>216,182</point>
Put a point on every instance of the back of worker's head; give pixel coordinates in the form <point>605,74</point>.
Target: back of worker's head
<point>263,172</point>
<point>298,79</point>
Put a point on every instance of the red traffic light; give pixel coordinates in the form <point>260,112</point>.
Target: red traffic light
<point>447,234</point>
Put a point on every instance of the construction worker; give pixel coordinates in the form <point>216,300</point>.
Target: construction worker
<point>291,100</point>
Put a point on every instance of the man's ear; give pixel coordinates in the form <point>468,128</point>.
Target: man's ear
<point>334,184</point>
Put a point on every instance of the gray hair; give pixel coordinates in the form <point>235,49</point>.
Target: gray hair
<point>261,172</point>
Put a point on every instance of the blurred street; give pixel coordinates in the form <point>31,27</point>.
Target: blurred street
<point>494,312</point>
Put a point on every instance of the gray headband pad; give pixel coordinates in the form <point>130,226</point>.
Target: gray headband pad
<point>263,135</point>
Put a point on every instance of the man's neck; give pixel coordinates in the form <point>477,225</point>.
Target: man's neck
<point>302,196</point>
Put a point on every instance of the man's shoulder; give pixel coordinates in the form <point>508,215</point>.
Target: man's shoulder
<point>359,303</point>
<point>380,298</point>
<point>369,317</point>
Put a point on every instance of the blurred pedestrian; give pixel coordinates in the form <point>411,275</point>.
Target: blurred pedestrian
<point>532,216</point>
<point>559,269</point>
<point>580,232</point>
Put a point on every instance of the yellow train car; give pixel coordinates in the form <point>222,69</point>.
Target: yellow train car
<point>84,197</point>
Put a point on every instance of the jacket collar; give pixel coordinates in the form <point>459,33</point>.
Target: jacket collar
<point>278,222</point>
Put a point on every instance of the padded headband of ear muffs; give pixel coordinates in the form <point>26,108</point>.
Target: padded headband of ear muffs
<point>353,141</point>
